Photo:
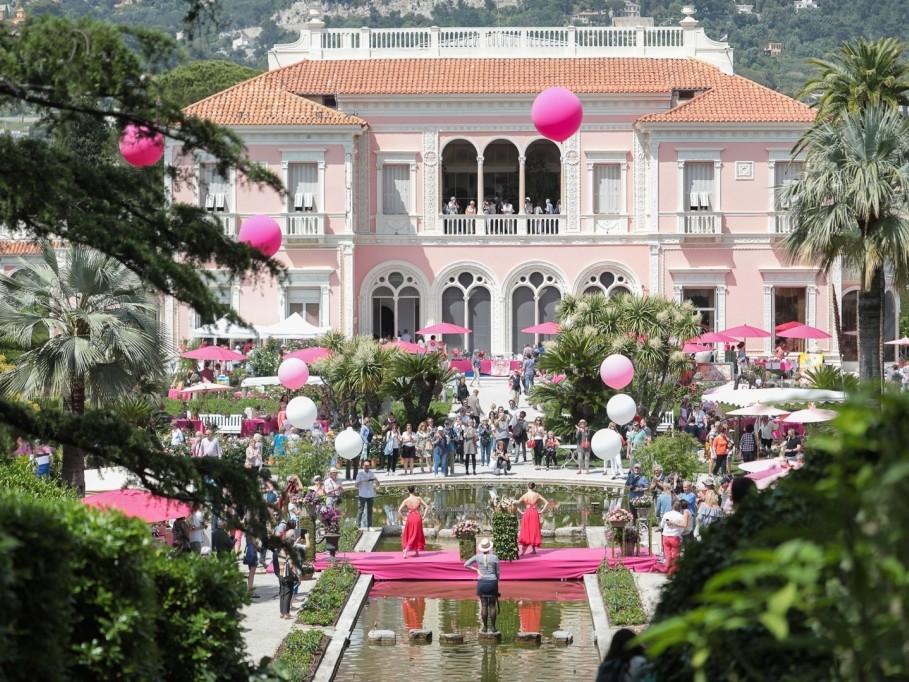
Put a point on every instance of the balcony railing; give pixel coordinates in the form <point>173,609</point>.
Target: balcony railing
<point>780,223</point>
<point>502,225</point>
<point>294,226</point>
<point>700,223</point>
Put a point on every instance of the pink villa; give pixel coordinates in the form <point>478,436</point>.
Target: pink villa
<point>668,188</point>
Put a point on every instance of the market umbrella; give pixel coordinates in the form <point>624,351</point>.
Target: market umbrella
<point>310,355</point>
<point>213,353</point>
<point>749,396</point>
<point>206,387</point>
<point>758,410</point>
<point>759,465</point>
<point>786,325</point>
<point>810,415</point>
<point>543,328</point>
<point>804,331</point>
<point>690,347</point>
<point>141,504</point>
<point>443,328</point>
<point>897,342</point>
<point>763,479</point>
<point>405,346</point>
<point>746,331</point>
<point>715,337</point>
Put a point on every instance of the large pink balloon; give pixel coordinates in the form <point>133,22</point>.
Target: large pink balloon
<point>263,233</point>
<point>293,373</point>
<point>139,148</point>
<point>616,371</point>
<point>557,113</point>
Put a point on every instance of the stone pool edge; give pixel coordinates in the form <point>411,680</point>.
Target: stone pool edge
<point>328,666</point>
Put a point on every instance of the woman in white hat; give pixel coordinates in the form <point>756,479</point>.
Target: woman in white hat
<point>254,452</point>
<point>486,564</point>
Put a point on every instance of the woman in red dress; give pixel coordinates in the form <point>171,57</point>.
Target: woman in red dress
<point>529,535</point>
<point>413,538</point>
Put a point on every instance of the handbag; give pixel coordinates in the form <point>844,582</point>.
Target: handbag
<point>388,448</point>
<point>585,443</point>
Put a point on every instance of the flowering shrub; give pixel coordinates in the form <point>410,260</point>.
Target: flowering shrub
<point>313,498</point>
<point>639,502</point>
<point>505,505</point>
<point>331,519</point>
<point>466,529</point>
<point>619,515</point>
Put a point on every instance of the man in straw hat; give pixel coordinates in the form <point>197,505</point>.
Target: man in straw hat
<point>486,564</point>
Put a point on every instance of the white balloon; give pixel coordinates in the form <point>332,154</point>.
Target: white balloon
<point>621,408</point>
<point>606,443</point>
<point>301,412</point>
<point>348,443</point>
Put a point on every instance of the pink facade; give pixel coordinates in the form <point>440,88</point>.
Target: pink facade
<point>668,188</point>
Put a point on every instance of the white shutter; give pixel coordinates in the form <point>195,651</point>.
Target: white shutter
<point>699,185</point>
<point>395,189</point>
<point>608,188</point>
<point>303,179</point>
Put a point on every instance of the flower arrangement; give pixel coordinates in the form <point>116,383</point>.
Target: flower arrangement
<point>331,519</point>
<point>467,528</point>
<point>623,534</point>
<point>313,499</point>
<point>504,505</point>
<point>642,502</point>
<point>619,516</point>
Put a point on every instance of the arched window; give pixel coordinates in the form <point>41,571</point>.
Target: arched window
<point>533,301</point>
<point>466,301</point>
<point>608,283</point>
<point>395,305</point>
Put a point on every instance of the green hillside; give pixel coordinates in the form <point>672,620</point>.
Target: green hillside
<point>810,32</point>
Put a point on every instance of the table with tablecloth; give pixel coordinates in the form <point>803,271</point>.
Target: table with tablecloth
<point>174,394</point>
<point>257,425</point>
<point>195,424</point>
<point>495,368</point>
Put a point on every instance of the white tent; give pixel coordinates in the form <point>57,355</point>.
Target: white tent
<point>223,329</point>
<point>294,327</point>
<point>750,396</point>
<point>250,382</point>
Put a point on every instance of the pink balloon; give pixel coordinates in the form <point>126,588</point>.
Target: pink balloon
<point>139,148</point>
<point>293,373</point>
<point>557,113</point>
<point>263,233</point>
<point>616,371</point>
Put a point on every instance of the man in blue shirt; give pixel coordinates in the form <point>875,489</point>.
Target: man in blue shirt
<point>688,495</point>
<point>638,486</point>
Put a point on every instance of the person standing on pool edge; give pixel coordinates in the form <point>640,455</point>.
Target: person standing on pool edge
<point>486,564</point>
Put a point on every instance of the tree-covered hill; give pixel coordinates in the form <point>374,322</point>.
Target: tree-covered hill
<point>809,32</point>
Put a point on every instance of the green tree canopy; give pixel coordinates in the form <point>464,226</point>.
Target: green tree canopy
<point>197,80</point>
<point>649,330</point>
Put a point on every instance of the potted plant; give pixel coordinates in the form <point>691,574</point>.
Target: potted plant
<point>311,502</point>
<point>619,517</point>
<point>625,537</point>
<point>331,528</point>
<point>307,571</point>
<point>466,532</point>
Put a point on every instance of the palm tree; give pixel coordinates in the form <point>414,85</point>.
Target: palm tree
<point>416,380</point>
<point>354,376</point>
<point>649,330</point>
<point>90,331</point>
<point>861,74</point>
<point>850,204</point>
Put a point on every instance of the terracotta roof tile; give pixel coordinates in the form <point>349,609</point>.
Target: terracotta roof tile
<point>278,97</point>
<point>15,247</point>
<point>262,101</point>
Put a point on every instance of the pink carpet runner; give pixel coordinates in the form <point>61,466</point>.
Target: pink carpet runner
<point>546,564</point>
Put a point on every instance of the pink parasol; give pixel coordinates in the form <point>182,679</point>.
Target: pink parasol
<point>897,342</point>
<point>715,337</point>
<point>804,331</point>
<point>786,325</point>
<point>810,415</point>
<point>443,328</point>
<point>310,355</point>
<point>141,504</point>
<point>206,387</point>
<point>543,328</point>
<point>763,479</point>
<point>405,346</point>
<point>690,347</point>
<point>213,353</point>
<point>746,331</point>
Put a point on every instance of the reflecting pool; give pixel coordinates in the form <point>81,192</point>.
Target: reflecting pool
<point>452,607</point>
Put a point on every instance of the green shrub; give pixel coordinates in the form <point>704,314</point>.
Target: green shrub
<point>505,535</point>
<point>297,653</point>
<point>302,459</point>
<point>86,596</point>
<point>16,473</point>
<point>620,595</point>
<point>675,451</point>
<point>324,604</point>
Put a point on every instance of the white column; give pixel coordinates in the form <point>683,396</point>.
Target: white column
<point>591,199</point>
<point>320,176</point>
<point>324,311</point>
<point>717,185</point>
<point>655,288</point>
<point>677,293</point>
<point>522,191</point>
<point>480,192</point>
<point>768,316</point>
<point>347,288</point>
<point>412,208</point>
<point>348,192</point>
<point>720,307</point>
<point>811,313</point>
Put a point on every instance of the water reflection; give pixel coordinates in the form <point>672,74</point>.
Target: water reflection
<point>534,606</point>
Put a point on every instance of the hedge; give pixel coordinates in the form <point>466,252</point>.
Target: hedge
<point>620,595</point>
<point>295,659</point>
<point>329,594</point>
